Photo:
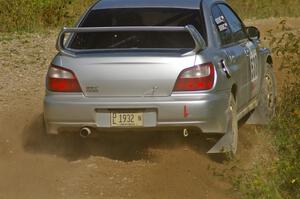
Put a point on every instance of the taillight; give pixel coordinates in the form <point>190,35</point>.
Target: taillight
<point>62,80</point>
<point>197,78</point>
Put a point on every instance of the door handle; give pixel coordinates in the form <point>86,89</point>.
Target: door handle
<point>225,69</point>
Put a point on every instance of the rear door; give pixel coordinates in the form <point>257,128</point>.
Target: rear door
<point>248,51</point>
<point>232,41</point>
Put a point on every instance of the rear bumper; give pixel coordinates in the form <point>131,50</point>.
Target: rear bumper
<point>207,112</point>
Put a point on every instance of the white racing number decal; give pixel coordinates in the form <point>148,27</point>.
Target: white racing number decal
<point>253,64</point>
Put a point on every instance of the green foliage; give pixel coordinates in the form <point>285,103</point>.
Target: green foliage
<point>259,184</point>
<point>266,8</point>
<point>31,15</point>
<point>280,178</point>
<point>286,125</point>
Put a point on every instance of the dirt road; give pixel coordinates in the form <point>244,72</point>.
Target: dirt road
<point>123,165</point>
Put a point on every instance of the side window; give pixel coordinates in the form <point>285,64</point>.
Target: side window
<point>234,22</point>
<point>224,31</point>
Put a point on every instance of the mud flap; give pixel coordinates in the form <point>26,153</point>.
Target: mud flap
<point>228,143</point>
<point>225,145</point>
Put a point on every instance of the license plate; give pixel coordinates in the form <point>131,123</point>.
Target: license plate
<point>130,119</point>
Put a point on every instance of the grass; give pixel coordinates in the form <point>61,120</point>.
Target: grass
<point>277,178</point>
<point>267,8</point>
<point>34,15</point>
<point>280,177</point>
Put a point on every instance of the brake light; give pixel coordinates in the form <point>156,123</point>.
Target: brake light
<point>62,80</point>
<point>197,78</point>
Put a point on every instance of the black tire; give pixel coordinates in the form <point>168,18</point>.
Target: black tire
<point>269,94</point>
<point>266,108</point>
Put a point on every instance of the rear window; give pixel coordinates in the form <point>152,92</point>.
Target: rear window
<point>135,39</point>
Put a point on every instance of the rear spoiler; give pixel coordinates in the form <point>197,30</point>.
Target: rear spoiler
<point>200,43</point>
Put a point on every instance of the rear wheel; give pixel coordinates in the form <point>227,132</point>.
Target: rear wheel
<point>265,111</point>
<point>268,95</point>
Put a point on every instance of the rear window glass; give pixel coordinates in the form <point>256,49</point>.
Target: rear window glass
<point>135,39</point>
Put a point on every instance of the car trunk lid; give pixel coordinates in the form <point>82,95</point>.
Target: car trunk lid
<point>128,76</point>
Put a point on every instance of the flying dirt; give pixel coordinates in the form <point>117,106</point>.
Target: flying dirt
<point>119,165</point>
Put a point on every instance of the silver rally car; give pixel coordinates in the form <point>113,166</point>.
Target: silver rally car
<point>138,64</point>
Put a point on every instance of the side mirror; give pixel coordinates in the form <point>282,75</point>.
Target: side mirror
<point>253,33</point>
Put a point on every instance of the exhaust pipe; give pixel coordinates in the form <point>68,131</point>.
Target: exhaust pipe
<point>186,133</point>
<point>85,132</point>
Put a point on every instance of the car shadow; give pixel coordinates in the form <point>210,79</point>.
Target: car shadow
<point>122,146</point>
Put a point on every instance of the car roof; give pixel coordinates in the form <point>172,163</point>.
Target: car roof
<point>184,4</point>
